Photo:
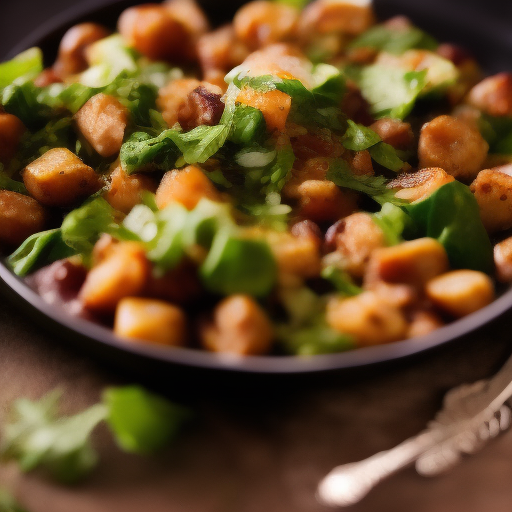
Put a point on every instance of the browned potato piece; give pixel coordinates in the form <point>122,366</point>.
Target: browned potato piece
<point>125,190</point>
<point>394,132</point>
<point>190,15</point>
<point>322,200</point>
<point>20,217</point>
<point>173,96</point>
<point>262,23</point>
<point>419,185</point>
<point>503,260</point>
<point>493,192</point>
<point>414,263</point>
<point>47,77</point>
<point>150,320</point>
<point>123,273</point>
<point>202,107</point>
<point>460,292</point>
<point>186,186</point>
<point>452,145</point>
<point>368,317</point>
<point>296,255</point>
<point>327,16</point>
<point>423,322</point>
<point>60,178</point>
<point>220,50</point>
<point>102,121</point>
<point>153,31</point>
<point>239,327</point>
<point>493,95</point>
<point>355,238</point>
<point>11,130</point>
<point>71,58</point>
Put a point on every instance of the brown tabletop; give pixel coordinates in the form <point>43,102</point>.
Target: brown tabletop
<point>263,452</point>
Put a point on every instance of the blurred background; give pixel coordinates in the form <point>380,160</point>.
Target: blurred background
<point>20,19</point>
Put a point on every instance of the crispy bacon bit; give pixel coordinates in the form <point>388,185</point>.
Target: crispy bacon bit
<point>203,107</point>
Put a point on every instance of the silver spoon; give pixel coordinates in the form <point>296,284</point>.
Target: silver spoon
<point>471,415</point>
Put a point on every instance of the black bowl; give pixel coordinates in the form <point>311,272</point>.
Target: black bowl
<point>470,24</point>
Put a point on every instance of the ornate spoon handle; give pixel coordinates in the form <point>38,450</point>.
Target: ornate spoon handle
<point>349,483</point>
<point>471,415</point>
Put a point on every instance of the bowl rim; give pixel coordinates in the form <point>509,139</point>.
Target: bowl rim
<point>270,364</point>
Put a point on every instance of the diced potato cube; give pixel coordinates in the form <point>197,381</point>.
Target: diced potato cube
<point>220,50</point>
<point>173,96</point>
<point>369,318</point>
<point>261,23</point>
<point>414,263</point>
<point>493,95</point>
<point>454,146</point>
<point>460,292</point>
<point>423,322</point>
<point>296,255</point>
<point>416,186</point>
<point>327,16</point>
<point>190,15</point>
<point>493,192</point>
<point>239,327</point>
<point>185,186</point>
<point>60,178</point>
<point>20,217</point>
<point>150,320</point>
<point>125,191</point>
<point>355,238</point>
<point>394,132</point>
<point>156,33</point>
<point>274,105</point>
<point>102,121</point>
<point>123,273</point>
<point>11,130</point>
<point>71,58</point>
<point>322,200</point>
<point>503,260</point>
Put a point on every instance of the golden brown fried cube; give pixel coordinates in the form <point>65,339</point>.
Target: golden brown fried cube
<point>368,317</point>
<point>173,96</point>
<point>239,327</point>
<point>186,186</point>
<point>335,16</point>
<point>150,320</point>
<point>125,191</point>
<point>153,31</point>
<point>493,192</point>
<point>20,217</point>
<point>123,273</point>
<point>503,260</point>
<point>261,23</point>
<point>454,146</point>
<point>60,178</point>
<point>11,130</point>
<point>102,121</point>
<point>493,95</point>
<point>414,263</point>
<point>460,292</point>
<point>355,238</point>
<point>72,49</point>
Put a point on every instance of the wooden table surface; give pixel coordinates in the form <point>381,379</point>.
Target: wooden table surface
<point>262,446</point>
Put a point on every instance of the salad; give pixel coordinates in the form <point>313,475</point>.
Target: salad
<point>297,181</point>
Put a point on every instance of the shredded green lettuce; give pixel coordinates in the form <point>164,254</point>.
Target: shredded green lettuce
<point>391,92</point>
<point>373,186</point>
<point>394,41</point>
<point>24,66</point>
